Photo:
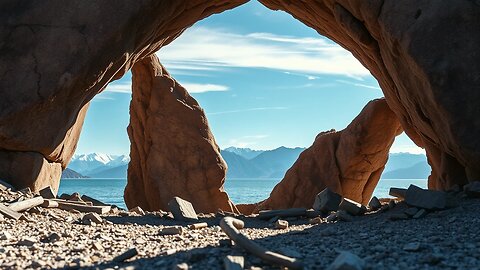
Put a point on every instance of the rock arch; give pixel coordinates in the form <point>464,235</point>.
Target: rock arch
<point>56,56</point>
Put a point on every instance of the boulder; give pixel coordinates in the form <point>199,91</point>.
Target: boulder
<point>327,201</point>
<point>348,162</point>
<point>179,159</point>
<point>426,199</point>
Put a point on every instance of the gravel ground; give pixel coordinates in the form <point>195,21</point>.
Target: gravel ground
<point>54,238</point>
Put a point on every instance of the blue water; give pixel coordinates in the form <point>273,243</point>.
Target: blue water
<point>240,190</point>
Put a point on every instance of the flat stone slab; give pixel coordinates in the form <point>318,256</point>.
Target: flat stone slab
<point>327,201</point>
<point>352,207</point>
<point>47,193</point>
<point>398,192</point>
<point>426,199</point>
<point>182,209</point>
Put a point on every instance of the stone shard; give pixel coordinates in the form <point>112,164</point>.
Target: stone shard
<point>347,261</point>
<point>179,159</point>
<point>426,199</point>
<point>234,262</point>
<point>374,204</point>
<point>281,224</point>
<point>348,162</point>
<point>398,192</point>
<point>182,209</point>
<point>327,201</point>
<point>352,207</point>
<point>47,193</point>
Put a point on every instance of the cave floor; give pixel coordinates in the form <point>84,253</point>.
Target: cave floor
<point>448,239</point>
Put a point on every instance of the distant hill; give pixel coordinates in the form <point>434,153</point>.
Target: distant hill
<point>69,173</point>
<point>420,170</point>
<point>403,160</point>
<point>244,152</point>
<point>248,163</point>
<point>116,172</point>
<point>268,164</point>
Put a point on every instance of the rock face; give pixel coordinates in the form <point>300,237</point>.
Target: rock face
<point>349,162</point>
<point>173,153</point>
<point>424,55</point>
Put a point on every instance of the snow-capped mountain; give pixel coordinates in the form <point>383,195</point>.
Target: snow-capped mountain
<point>244,152</point>
<point>87,164</point>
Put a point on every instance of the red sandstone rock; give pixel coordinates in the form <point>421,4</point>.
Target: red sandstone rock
<point>349,162</point>
<point>173,152</point>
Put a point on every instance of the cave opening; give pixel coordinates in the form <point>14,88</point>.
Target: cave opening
<point>263,88</point>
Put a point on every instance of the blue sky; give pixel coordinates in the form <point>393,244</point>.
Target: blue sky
<point>264,79</point>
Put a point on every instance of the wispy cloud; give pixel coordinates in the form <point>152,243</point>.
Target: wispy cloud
<point>359,84</point>
<point>248,110</point>
<point>203,88</point>
<point>202,48</point>
<point>407,149</point>
<point>192,88</point>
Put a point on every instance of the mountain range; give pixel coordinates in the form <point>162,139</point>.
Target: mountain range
<point>244,163</point>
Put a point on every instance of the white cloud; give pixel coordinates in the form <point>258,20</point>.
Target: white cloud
<point>201,48</point>
<point>192,88</point>
<point>195,88</point>
<point>413,149</point>
<point>248,110</point>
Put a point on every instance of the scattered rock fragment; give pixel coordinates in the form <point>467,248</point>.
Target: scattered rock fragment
<point>347,261</point>
<point>172,230</point>
<point>4,185</point>
<point>327,201</point>
<point>332,217</point>
<point>398,192</point>
<point>233,262</point>
<point>97,246</point>
<point>5,235</point>
<point>49,204</point>
<point>391,204</point>
<point>472,189</point>
<point>198,226</point>
<point>126,255</point>
<point>47,193</point>
<point>137,210</point>
<point>92,217</point>
<point>27,241</point>
<point>427,199</point>
<point>281,224</point>
<point>414,246</point>
<point>282,213</point>
<point>374,204</point>
<point>182,266</point>
<point>352,207</point>
<point>182,209</point>
<point>420,214</point>
<point>316,220</point>
<point>51,238</point>
<point>9,212</point>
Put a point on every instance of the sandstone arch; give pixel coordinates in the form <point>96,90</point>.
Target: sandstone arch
<point>54,61</point>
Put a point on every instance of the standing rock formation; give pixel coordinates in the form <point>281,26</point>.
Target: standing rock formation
<point>349,162</point>
<point>173,153</point>
<point>423,53</point>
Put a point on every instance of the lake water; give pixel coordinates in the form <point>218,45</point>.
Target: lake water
<point>240,190</point>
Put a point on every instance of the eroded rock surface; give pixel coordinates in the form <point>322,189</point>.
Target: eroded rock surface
<point>349,162</point>
<point>424,55</point>
<point>173,153</point>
